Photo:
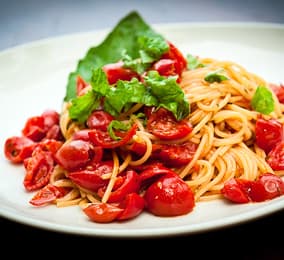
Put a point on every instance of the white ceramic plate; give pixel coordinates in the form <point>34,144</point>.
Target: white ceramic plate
<point>33,77</point>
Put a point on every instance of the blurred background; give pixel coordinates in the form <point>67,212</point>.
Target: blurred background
<point>29,20</point>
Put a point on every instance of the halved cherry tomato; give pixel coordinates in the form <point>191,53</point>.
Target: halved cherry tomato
<point>236,190</point>
<point>18,148</point>
<point>163,124</point>
<point>273,185</point>
<point>102,212</point>
<point>279,91</point>
<point>103,139</point>
<point>73,155</point>
<point>275,157</point>
<point>91,179</point>
<point>131,184</point>
<point>166,67</point>
<point>116,71</point>
<point>34,128</point>
<point>47,194</point>
<point>169,196</point>
<point>268,133</point>
<point>38,169</point>
<point>175,54</point>
<point>133,205</point>
<point>99,119</point>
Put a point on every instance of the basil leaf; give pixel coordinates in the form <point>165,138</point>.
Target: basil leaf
<point>215,77</point>
<point>118,125</point>
<point>262,100</point>
<point>124,36</point>
<point>193,62</point>
<point>168,93</point>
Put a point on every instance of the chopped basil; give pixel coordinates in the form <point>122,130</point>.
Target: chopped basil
<point>118,125</point>
<point>215,76</point>
<point>193,62</point>
<point>262,100</point>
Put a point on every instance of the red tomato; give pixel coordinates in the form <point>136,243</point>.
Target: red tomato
<point>273,185</point>
<point>16,148</point>
<point>175,54</point>
<point>47,194</point>
<point>34,128</point>
<point>268,133</point>
<point>169,196</point>
<point>102,212</point>
<point>91,179</point>
<point>73,155</point>
<point>174,155</point>
<point>116,71</point>
<point>103,139</point>
<point>166,67</point>
<point>275,157</point>
<point>51,118</point>
<point>279,91</point>
<point>236,190</point>
<point>38,169</point>
<point>133,205</point>
<point>99,120</point>
<point>163,124</point>
<point>130,184</point>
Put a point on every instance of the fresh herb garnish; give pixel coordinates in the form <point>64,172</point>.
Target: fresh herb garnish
<point>215,76</point>
<point>193,62</point>
<point>262,100</point>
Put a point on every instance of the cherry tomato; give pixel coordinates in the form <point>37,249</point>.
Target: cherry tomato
<point>116,71</point>
<point>130,184</point>
<point>175,54</point>
<point>133,205</point>
<point>273,185</point>
<point>169,196</point>
<point>50,117</point>
<point>17,148</point>
<point>163,124</point>
<point>73,155</point>
<point>47,194</point>
<point>236,190</point>
<point>279,91</point>
<point>99,120</point>
<point>34,128</point>
<point>103,139</point>
<point>102,212</point>
<point>268,133</point>
<point>275,157</point>
<point>165,67</point>
<point>174,155</point>
<point>91,179</point>
<point>38,169</point>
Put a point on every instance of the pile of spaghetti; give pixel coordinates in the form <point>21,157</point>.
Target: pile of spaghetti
<point>154,131</point>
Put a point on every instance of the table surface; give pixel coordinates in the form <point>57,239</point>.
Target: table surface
<point>26,21</point>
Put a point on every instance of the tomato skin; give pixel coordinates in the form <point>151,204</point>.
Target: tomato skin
<point>34,128</point>
<point>236,190</point>
<point>73,155</point>
<point>102,212</point>
<point>169,196</point>
<point>80,85</point>
<point>273,185</point>
<point>163,125</point>
<point>268,133</point>
<point>18,148</point>
<point>103,139</point>
<point>279,91</point>
<point>131,184</point>
<point>275,157</point>
<point>38,169</point>
<point>165,67</point>
<point>116,71</point>
<point>47,194</point>
<point>133,205</point>
<point>99,120</point>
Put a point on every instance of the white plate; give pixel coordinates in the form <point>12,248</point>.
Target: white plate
<point>33,77</point>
